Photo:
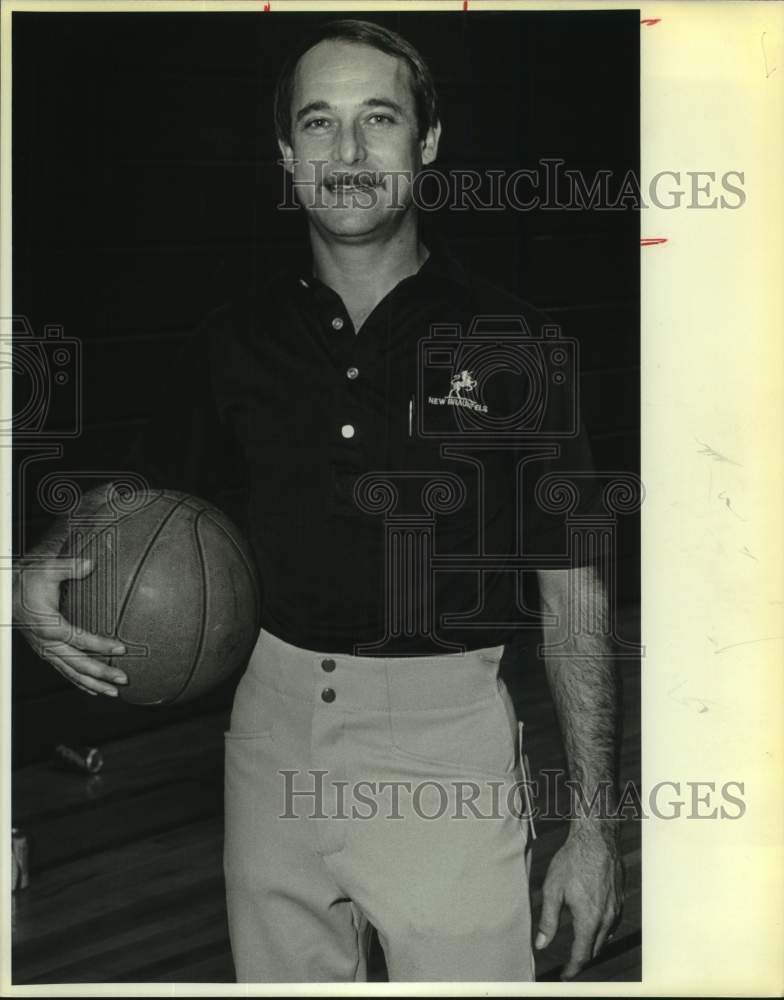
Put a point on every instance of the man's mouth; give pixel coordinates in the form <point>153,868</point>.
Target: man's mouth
<point>353,182</point>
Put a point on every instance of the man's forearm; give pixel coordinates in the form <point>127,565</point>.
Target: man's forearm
<point>585,687</point>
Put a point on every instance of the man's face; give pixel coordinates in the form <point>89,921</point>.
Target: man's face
<point>355,143</point>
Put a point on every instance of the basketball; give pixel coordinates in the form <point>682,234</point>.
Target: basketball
<point>175,582</point>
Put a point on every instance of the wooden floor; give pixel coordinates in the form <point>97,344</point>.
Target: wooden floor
<point>126,879</point>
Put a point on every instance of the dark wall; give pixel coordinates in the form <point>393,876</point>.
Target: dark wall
<point>145,187</point>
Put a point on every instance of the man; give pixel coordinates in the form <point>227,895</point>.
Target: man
<point>373,747</point>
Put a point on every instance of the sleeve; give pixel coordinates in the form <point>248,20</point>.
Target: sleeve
<point>563,490</point>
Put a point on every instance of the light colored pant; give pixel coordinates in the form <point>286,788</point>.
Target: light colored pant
<point>395,802</point>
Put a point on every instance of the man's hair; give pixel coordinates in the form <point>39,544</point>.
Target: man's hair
<point>361,33</point>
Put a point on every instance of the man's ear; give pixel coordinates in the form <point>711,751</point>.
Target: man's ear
<point>287,152</point>
<point>430,143</point>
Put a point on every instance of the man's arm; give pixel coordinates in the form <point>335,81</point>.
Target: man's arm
<point>182,447</point>
<point>586,873</point>
<point>36,608</point>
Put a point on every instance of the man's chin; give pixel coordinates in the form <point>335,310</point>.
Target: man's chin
<point>353,223</point>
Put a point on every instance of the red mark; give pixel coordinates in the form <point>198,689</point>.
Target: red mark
<point>653,241</point>
<point>465,4</point>
<point>650,20</point>
<point>266,7</point>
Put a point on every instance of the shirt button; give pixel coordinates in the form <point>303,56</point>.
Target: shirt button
<point>347,431</point>
<point>328,665</point>
<point>352,373</point>
<point>337,323</point>
<point>328,695</point>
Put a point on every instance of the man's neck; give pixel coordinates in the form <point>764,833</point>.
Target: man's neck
<point>362,274</point>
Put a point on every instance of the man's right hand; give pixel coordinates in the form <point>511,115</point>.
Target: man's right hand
<point>36,609</point>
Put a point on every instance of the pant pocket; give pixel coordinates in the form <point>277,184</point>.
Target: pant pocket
<point>256,710</point>
<point>460,742</point>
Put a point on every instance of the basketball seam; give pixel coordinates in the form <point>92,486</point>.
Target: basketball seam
<point>101,535</point>
<point>250,567</point>
<point>248,564</point>
<point>140,562</point>
<point>115,524</point>
<point>200,646</point>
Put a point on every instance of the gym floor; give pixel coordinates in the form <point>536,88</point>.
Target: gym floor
<point>125,866</point>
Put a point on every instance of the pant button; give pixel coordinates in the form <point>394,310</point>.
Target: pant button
<point>328,665</point>
<point>328,694</point>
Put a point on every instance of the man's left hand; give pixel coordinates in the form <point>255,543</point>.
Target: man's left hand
<point>586,874</point>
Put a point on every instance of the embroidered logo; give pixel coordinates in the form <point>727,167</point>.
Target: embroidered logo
<point>462,382</point>
<point>465,380</point>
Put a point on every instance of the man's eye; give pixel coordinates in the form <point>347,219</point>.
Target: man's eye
<point>316,124</point>
<point>381,119</point>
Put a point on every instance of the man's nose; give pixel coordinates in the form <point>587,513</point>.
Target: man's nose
<point>350,144</point>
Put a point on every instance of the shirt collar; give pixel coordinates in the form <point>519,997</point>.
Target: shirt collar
<point>440,265</point>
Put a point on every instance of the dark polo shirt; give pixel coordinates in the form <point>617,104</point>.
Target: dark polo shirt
<point>400,478</point>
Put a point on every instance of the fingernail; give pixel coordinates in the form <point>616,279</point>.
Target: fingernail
<point>541,940</point>
<point>120,679</point>
<point>112,692</point>
<point>119,649</point>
